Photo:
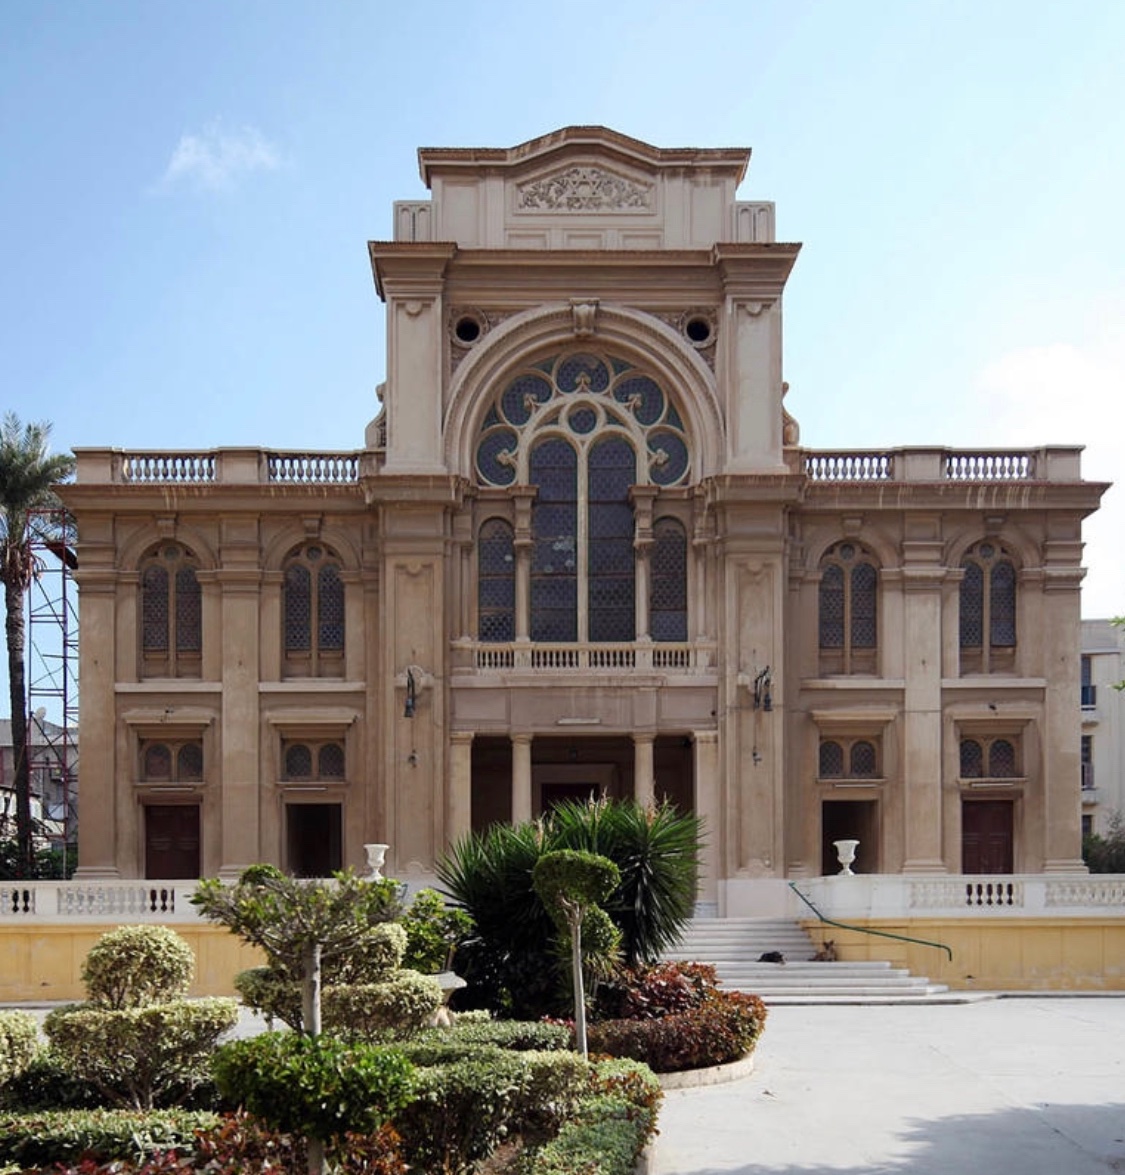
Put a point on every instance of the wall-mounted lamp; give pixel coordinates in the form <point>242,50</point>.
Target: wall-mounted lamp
<point>762,690</point>
<point>411,695</point>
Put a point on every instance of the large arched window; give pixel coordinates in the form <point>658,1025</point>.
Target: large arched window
<point>847,610</point>
<point>313,611</point>
<point>988,609</point>
<point>171,613</point>
<point>583,430</point>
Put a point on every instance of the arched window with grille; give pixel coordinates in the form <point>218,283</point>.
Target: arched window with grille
<point>313,761</point>
<point>988,609</point>
<point>176,761</point>
<point>847,610</point>
<point>171,613</point>
<point>313,613</point>
<point>991,757</point>
<point>849,758</point>
<point>583,430</point>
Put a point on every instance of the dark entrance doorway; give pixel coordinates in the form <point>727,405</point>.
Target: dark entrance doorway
<point>849,820</point>
<point>987,836</point>
<point>313,839</point>
<point>171,841</point>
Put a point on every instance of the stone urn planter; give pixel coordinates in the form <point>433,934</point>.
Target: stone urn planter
<point>845,853</point>
<point>376,855</point>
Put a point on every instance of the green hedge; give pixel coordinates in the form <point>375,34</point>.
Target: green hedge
<point>61,1136</point>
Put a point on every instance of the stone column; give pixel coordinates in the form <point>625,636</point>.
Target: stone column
<point>644,780</point>
<point>1061,764</point>
<point>521,778</point>
<point>922,580</point>
<point>97,849</point>
<point>239,772</point>
<point>459,790</point>
<point>707,807</point>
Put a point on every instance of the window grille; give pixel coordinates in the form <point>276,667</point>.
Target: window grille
<point>313,613</point>
<point>171,613</point>
<point>988,609</point>
<point>848,610</point>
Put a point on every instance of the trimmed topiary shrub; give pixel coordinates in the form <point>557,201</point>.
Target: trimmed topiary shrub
<point>400,1005</point>
<point>316,1086</point>
<point>140,1057</point>
<point>137,965</point>
<point>19,1042</point>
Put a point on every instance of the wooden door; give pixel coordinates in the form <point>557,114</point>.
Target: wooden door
<point>171,841</point>
<point>987,836</point>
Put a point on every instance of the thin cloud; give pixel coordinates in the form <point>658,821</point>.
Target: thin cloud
<point>217,158</point>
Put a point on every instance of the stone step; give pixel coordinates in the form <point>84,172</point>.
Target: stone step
<point>734,946</point>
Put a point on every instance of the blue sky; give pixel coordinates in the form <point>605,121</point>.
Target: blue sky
<point>186,191</point>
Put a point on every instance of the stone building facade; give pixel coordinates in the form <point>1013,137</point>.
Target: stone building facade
<point>581,551</point>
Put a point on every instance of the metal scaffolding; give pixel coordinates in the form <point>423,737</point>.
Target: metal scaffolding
<point>52,679</point>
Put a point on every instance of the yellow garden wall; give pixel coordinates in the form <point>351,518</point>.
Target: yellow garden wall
<point>1040,954</point>
<point>43,962</point>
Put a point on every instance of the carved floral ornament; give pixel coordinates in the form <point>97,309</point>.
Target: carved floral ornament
<point>584,189</point>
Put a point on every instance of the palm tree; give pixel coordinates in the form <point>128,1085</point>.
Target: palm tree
<point>27,473</point>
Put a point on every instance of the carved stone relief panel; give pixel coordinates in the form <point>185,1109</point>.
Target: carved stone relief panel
<point>584,189</point>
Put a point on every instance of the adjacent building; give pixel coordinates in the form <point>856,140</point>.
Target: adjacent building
<point>1103,725</point>
<point>581,551</point>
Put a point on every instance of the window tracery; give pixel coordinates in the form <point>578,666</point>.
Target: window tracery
<point>171,613</point>
<point>313,613</point>
<point>583,429</point>
<point>848,610</point>
<point>988,609</point>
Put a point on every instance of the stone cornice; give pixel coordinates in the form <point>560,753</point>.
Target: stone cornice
<point>577,141</point>
<point>409,268</point>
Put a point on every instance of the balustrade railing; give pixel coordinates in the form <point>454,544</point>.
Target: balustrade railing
<point>591,656</point>
<point>162,468</point>
<point>111,900</point>
<point>313,468</point>
<point>989,466</point>
<point>848,466</point>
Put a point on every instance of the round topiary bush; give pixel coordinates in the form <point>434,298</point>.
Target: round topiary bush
<point>134,966</point>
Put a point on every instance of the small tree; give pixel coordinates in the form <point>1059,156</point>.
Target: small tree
<point>28,470</point>
<point>298,922</point>
<point>569,884</point>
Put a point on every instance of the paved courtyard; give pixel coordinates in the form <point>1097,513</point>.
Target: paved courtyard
<point>1001,1087</point>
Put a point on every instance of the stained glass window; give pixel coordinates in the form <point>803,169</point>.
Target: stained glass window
<point>988,609</point>
<point>298,761</point>
<point>611,577</point>
<point>583,429</point>
<point>848,607</point>
<point>496,582</point>
<point>171,611</point>
<point>667,611</point>
<point>313,612</point>
<point>972,759</point>
<point>831,759</point>
<point>554,554</point>
<point>863,764</point>
<point>172,762</point>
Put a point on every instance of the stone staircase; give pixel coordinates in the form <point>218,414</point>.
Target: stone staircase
<point>733,946</point>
